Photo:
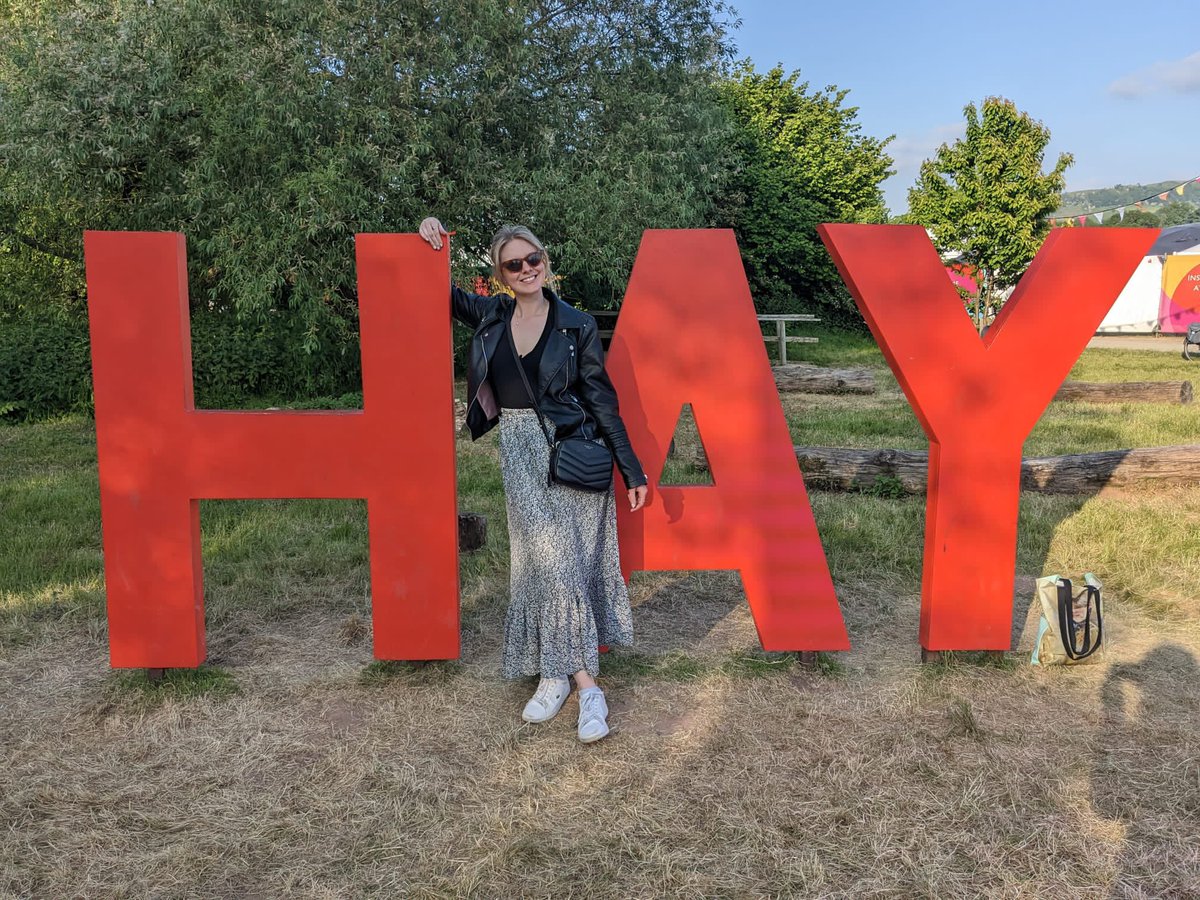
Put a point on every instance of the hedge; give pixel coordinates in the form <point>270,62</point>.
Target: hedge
<point>45,361</point>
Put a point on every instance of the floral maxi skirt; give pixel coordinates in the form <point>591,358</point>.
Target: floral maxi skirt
<point>567,593</point>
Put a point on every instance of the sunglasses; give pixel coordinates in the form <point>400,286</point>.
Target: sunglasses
<point>534,259</point>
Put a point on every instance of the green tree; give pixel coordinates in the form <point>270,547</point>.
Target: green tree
<point>271,132</point>
<point>986,199</point>
<point>1134,218</point>
<point>801,160</point>
<point>1178,213</point>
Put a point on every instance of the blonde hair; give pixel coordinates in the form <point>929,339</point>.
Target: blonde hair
<point>508,233</point>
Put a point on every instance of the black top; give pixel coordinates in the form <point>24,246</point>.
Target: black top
<point>506,380</point>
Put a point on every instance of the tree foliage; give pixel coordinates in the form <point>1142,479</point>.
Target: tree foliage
<point>801,160</point>
<point>271,132</point>
<point>986,198</point>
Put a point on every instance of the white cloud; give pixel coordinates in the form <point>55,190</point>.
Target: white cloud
<point>1180,76</point>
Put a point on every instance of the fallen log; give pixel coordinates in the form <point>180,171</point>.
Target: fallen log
<point>1087,472</point>
<point>887,471</point>
<point>842,469</point>
<point>1126,391</point>
<point>802,378</point>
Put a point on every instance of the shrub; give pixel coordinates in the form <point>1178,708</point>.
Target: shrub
<point>45,361</point>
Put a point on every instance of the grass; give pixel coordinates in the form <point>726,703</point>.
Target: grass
<point>885,420</point>
<point>138,688</point>
<point>294,764</point>
<point>385,671</point>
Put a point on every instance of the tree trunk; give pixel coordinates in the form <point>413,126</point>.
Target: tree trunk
<point>817,380</point>
<point>1126,391</point>
<point>886,471</point>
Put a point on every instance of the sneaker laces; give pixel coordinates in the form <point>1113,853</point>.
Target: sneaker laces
<point>592,706</point>
<point>547,691</point>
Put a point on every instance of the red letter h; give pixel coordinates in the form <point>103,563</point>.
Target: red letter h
<point>159,456</point>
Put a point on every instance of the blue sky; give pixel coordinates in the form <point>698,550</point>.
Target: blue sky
<point>1117,84</point>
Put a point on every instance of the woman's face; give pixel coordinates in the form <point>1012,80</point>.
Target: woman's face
<point>528,282</point>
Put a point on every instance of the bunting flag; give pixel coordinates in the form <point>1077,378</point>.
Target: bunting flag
<point>1098,214</point>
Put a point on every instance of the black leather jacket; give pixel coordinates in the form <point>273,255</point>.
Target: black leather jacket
<point>574,390</point>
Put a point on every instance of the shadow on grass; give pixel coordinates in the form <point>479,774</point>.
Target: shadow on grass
<point>949,660</point>
<point>136,687</point>
<point>416,672</point>
<point>1154,796</point>
<point>680,666</point>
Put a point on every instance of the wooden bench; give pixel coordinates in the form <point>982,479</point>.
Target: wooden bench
<point>782,337</point>
<point>607,320</point>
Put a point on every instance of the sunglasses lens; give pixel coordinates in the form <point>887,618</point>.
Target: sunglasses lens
<point>516,265</point>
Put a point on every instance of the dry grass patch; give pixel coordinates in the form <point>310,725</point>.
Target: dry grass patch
<point>298,766</point>
<point>312,782</point>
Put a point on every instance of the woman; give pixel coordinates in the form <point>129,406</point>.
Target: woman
<point>567,593</point>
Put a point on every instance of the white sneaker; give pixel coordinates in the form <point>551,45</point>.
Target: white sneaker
<point>593,715</point>
<point>547,700</point>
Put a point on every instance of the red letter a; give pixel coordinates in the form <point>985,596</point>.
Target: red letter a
<point>687,334</point>
<point>158,454</point>
<point>978,399</point>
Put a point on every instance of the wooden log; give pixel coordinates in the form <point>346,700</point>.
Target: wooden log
<point>838,469</point>
<point>888,471</point>
<point>1126,391</point>
<point>1086,472</point>
<point>819,380</point>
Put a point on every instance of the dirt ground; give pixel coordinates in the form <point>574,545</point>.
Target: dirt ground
<point>323,777</point>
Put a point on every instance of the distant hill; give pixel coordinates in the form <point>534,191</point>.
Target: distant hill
<point>1076,203</point>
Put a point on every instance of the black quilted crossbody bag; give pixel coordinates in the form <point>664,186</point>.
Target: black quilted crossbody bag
<point>574,462</point>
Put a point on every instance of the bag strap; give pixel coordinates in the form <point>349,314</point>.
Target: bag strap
<point>525,380</point>
<point>1066,621</point>
<point>1093,593</point>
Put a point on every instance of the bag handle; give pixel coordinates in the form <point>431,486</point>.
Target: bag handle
<point>1066,621</point>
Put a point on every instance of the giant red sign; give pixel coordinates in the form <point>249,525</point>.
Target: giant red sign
<point>159,455</point>
<point>977,400</point>
<point>687,334</point>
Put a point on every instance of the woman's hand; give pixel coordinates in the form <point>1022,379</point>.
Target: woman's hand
<point>637,497</point>
<point>431,230</point>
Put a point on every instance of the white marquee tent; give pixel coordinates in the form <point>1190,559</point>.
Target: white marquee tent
<point>1139,309</point>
